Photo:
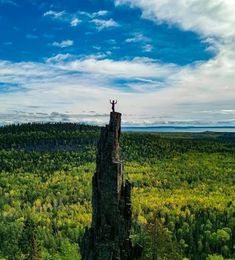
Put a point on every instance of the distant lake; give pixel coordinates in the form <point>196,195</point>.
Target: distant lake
<point>174,129</point>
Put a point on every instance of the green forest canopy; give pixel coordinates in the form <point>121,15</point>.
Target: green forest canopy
<point>183,191</point>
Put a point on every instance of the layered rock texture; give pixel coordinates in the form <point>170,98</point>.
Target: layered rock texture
<point>108,237</point>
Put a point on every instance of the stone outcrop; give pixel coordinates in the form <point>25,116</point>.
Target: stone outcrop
<point>108,237</point>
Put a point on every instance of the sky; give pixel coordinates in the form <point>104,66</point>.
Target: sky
<point>167,62</point>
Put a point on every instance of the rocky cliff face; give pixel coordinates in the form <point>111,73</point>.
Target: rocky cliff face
<point>108,237</point>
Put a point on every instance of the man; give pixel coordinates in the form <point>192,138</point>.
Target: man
<point>113,103</point>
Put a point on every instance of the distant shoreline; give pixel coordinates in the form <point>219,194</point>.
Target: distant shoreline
<point>193,129</point>
<point>164,128</point>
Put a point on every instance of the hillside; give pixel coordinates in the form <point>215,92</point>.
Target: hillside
<point>183,198</point>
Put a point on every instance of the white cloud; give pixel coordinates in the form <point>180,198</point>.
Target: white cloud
<point>148,48</point>
<point>138,37</point>
<point>208,18</point>
<point>59,58</point>
<point>66,83</point>
<point>208,84</point>
<point>63,44</point>
<point>141,39</point>
<point>76,18</point>
<point>56,15</point>
<point>75,22</point>
<point>104,24</point>
<point>140,67</point>
<point>63,16</point>
<point>100,13</point>
<point>94,14</point>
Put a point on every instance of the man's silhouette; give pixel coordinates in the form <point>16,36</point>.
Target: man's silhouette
<point>113,103</point>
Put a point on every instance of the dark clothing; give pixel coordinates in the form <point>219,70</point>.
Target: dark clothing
<point>113,105</point>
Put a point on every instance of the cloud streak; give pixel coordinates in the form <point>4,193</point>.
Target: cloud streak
<point>74,19</point>
<point>104,24</point>
<point>65,83</point>
<point>63,44</point>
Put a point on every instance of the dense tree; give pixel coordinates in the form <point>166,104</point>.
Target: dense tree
<point>28,241</point>
<point>183,191</point>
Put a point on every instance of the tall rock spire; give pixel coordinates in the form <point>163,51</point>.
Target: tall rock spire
<point>108,237</point>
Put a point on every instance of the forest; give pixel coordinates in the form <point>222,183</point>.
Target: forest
<point>183,198</point>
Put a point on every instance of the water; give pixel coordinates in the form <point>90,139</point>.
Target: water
<point>179,129</point>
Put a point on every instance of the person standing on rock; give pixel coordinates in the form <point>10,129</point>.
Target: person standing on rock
<point>113,103</point>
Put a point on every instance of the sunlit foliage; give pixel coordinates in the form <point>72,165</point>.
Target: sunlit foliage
<point>183,192</point>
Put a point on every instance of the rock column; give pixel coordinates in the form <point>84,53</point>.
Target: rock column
<point>108,237</point>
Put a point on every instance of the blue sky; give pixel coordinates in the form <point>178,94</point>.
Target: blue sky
<point>165,62</point>
<point>31,31</point>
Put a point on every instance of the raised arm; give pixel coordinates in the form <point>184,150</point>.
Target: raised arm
<point>115,102</point>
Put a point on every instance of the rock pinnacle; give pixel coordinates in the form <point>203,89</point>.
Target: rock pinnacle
<point>108,236</point>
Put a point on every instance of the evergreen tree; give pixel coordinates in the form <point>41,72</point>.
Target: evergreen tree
<point>28,241</point>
